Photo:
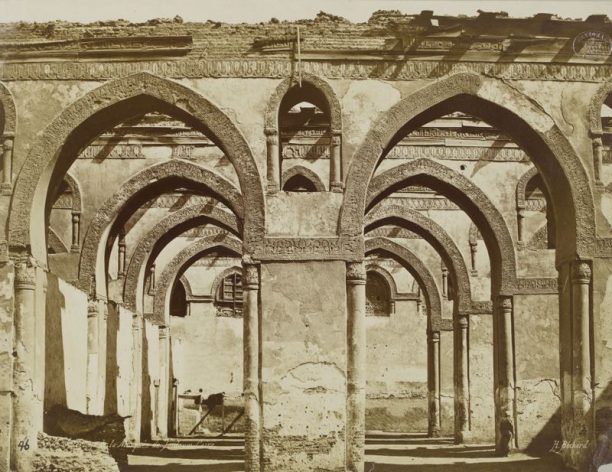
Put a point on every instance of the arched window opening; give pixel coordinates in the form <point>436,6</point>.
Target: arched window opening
<point>378,295</point>
<point>229,296</point>
<point>299,183</point>
<point>178,300</point>
<point>305,131</point>
<point>536,200</point>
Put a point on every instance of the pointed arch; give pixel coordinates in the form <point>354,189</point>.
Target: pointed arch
<point>180,262</point>
<point>75,189</point>
<point>188,290</point>
<point>597,101</point>
<point>53,153</point>
<point>163,232</point>
<point>93,249</point>
<point>334,109</point>
<point>308,174</point>
<point>385,274</point>
<point>521,187</point>
<point>435,235</point>
<point>419,271</point>
<point>507,109</point>
<point>471,200</point>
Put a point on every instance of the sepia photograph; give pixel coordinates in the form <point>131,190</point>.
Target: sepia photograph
<point>305,236</point>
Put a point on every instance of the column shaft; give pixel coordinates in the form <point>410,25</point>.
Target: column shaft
<point>506,433</point>
<point>273,160</point>
<point>520,219</point>
<point>7,164</point>
<point>597,159</point>
<point>121,253</point>
<point>25,405</point>
<point>434,403</point>
<point>164,375</point>
<point>92,355</point>
<point>76,232</point>
<point>251,367</point>
<point>356,372</point>
<point>462,386</point>
<point>335,171</point>
<point>582,390</point>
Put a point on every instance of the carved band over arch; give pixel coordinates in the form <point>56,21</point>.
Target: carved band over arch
<point>435,235</point>
<point>470,198</point>
<point>418,270</point>
<point>94,244</point>
<point>165,230</point>
<point>508,110</point>
<point>103,107</point>
<point>180,262</point>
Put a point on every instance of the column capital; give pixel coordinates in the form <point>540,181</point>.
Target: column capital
<point>270,131</point>
<point>582,272</point>
<point>597,141</point>
<point>25,274</point>
<point>250,276</point>
<point>336,139</point>
<point>505,303</point>
<point>7,142</point>
<point>435,336</point>
<point>356,272</point>
<point>462,321</point>
<point>92,308</point>
<point>163,331</point>
<point>76,216</point>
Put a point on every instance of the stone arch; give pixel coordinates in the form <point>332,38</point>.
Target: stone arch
<point>165,230</point>
<point>180,261</point>
<point>185,281</point>
<point>219,278</point>
<point>418,270</point>
<point>435,235</point>
<point>521,187</point>
<point>507,109</point>
<point>308,174</point>
<point>335,111</point>
<point>53,153</point>
<point>470,198</point>
<point>385,274</point>
<point>594,118</point>
<point>100,227</point>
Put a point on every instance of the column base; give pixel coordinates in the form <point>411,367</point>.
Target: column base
<point>272,189</point>
<point>337,187</point>
<point>75,249</point>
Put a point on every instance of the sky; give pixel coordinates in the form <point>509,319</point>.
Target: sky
<point>236,11</point>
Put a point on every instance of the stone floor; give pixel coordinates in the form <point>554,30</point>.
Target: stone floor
<point>385,453</point>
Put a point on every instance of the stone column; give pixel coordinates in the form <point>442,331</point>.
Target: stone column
<point>356,372</point>
<point>250,287</point>
<point>26,408</point>
<point>76,231</point>
<point>462,385</point>
<point>133,435</point>
<point>444,281</point>
<point>581,350</point>
<point>92,355</point>
<point>164,375</point>
<point>473,252</point>
<point>506,430</point>
<point>152,279</point>
<point>335,168</point>
<point>274,160</point>
<point>435,407</point>
<point>520,218</point>
<point>597,159</point>
<point>7,164</point>
<point>121,253</point>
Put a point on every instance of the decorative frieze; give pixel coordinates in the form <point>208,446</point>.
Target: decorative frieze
<point>539,285</point>
<point>281,68</point>
<point>305,151</point>
<point>458,153</point>
<point>604,247</point>
<point>343,248</point>
<point>116,151</point>
<point>425,203</point>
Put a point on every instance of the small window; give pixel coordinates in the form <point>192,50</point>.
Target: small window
<point>229,296</point>
<point>378,295</point>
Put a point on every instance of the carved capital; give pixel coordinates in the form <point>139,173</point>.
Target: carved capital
<point>7,143</point>
<point>92,308</point>
<point>597,142</point>
<point>435,336</point>
<point>136,321</point>
<point>505,303</point>
<point>582,272</point>
<point>356,272</point>
<point>76,217</point>
<point>463,322</point>
<point>336,139</point>
<point>25,275</point>
<point>250,276</point>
